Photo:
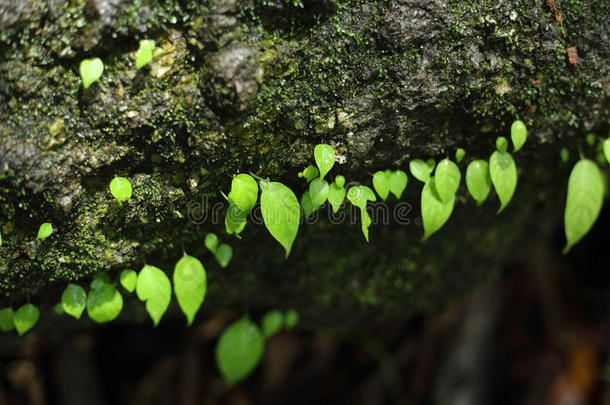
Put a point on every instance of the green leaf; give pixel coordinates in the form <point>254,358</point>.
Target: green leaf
<point>398,183</point>
<point>0,239</point>
<point>310,173</point>
<point>7,319</point>
<point>104,302</point>
<point>307,204</point>
<point>325,158</point>
<point>291,318</point>
<point>358,196</point>
<point>129,279</point>
<point>381,183</point>
<point>239,350</point>
<point>211,242</point>
<point>501,144</point>
<point>431,164</point>
<point>144,54</point>
<point>25,318</point>
<point>100,278</point>
<point>336,195</point>
<point>244,192</point>
<point>224,254</point>
<point>154,287</point>
<point>518,134</point>
<point>460,154</point>
<point>340,181</point>
<point>478,180</point>
<point>74,300</point>
<point>272,323</point>
<point>190,285</point>
<point>586,189</point>
<point>45,230</point>
<point>120,188</point>
<point>447,179</point>
<point>420,170</point>
<point>235,220</point>
<point>591,139</point>
<point>435,212</point>
<point>564,153</point>
<point>606,147</point>
<point>503,172</point>
<point>318,192</point>
<point>58,309</point>
<point>90,71</point>
<point>281,213</point>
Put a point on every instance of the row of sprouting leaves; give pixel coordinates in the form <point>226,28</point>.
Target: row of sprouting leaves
<point>241,345</point>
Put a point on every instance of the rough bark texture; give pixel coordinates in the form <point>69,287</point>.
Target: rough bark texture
<point>253,85</point>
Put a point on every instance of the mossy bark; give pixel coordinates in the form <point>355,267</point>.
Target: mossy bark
<point>252,86</point>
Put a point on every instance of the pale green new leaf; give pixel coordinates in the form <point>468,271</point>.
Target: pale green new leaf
<point>120,188</point>
<point>239,350</point>
<point>104,302</point>
<point>358,196</point>
<point>398,183</point>
<point>244,192</point>
<point>25,318</point>
<point>606,148</point>
<point>272,323</point>
<point>435,212</point>
<point>235,220</point>
<point>586,189</point>
<point>501,144</point>
<point>190,285</point>
<point>144,54</point>
<point>129,279</point>
<point>7,319</point>
<point>503,172</point>
<point>309,173</point>
<point>291,318</point>
<point>223,255</point>
<point>460,154</point>
<point>281,213</point>
<point>45,230</point>
<point>318,192</point>
<point>336,195</point>
<point>324,156</point>
<point>90,71</point>
<point>211,242</point>
<point>518,134</point>
<point>340,181</point>
<point>381,183</point>
<point>478,180</point>
<point>155,289</point>
<point>420,170</point>
<point>74,300</point>
<point>447,179</point>
<point>307,204</point>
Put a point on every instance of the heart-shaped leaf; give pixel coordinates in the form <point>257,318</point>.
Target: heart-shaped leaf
<point>381,183</point>
<point>460,154</point>
<point>420,170</point>
<point>478,180</point>
<point>503,172</point>
<point>291,318</point>
<point>25,318</point>
<point>155,289</point>
<point>45,230</point>
<point>224,254</point>
<point>74,300</point>
<point>104,302</point>
<point>272,323</point>
<point>501,144</point>
<point>336,195</point>
<point>325,158</point>
<point>398,183</point>
<point>435,212</point>
<point>144,54</point>
<point>90,71</point>
<point>7,319</point>
<point>129,279</point>
<point>211,242</point>
<point>281,213</point>
<point>239,350</point>
<point>586,189</point>
<point>120,188</point>
<point>518,134</point>
<point>447,179</point>
<point>190,285</point>
<point>235,220</point>
<point>244,192</point>
<point>318,191</point>
<point>358,196</point>
<point>310,173</point>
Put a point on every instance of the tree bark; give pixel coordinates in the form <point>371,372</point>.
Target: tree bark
<point>253,86</point>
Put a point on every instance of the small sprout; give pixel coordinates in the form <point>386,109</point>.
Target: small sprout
<point>211,242</point>
<point>120,188</point>
<point>501,144</point>
<point>90,71</point>
<point>224,254</point>
<point>460,154</point>
<point>144,54</point>
<point>518,134</point>
<point>340,180</point>
<point>45,230</point>
<point>272,323</point>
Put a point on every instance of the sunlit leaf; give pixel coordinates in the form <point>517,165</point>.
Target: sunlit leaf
<point>503,172</point>
<point>586,189</point>
<point>478,180</point>
<point>447,179</point>
<point>318,192</point>
<point>190,285</point>
<point>309,173</point>
<point>244,192</point>
<point>307,204</point>
<point>420,170</point>
<point>74,300</point>
<point>25,318</point>
<point>398,183</point>
<point>129,279</point>
<point>501,144</point>
<point>358,196</point>
<point>211,242</point>
<point>7,319</point>
<point>272,323</point>
<point>144,54</point>
<point>235,220</point>
<point>381,183</point>
<point>224,254</point>
<point>340,181</point>
<point>155,289</point>
<point>239,350</point>
<point>120,188</point>
<point>45,230</point>
<point>435,212</point>
<point>90,71</point>
<point>281,213</point>
<point>606,147</point>
<point>104,302</point>
<point>518,134</point>
<point>325,158</point>
<point>460,154</point>
<point>336,195</point>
